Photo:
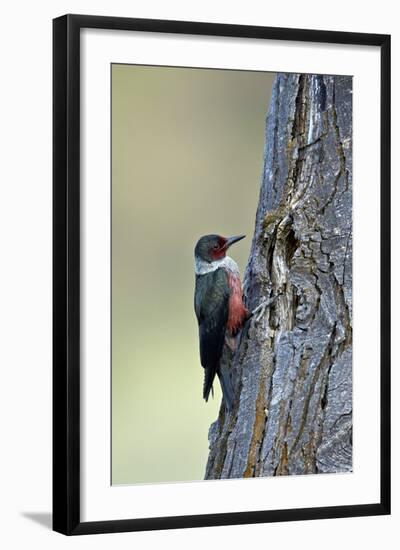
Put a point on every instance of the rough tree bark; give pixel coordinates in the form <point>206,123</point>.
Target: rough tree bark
<point>292,368</point>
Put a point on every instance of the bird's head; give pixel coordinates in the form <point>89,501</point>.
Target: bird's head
<point>213,247</point>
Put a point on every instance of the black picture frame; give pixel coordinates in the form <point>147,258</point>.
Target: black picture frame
<point>66,274</point>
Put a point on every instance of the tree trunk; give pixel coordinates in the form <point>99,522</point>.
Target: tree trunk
<point>292,368</point>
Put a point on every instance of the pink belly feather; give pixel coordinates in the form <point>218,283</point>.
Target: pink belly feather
<point>237,310</point>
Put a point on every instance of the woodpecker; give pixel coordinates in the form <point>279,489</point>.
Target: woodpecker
<point>219,308</point>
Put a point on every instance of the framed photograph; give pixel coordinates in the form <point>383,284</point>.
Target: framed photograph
<point>221,274</point>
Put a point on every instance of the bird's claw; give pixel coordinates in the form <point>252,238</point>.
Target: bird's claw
<point>259,311</point>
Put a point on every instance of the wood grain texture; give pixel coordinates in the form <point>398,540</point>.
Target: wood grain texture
<point>292,369</point>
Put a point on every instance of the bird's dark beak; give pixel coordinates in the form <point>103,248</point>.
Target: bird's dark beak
<point>233,240</point>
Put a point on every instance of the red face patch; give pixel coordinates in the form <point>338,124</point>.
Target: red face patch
<point>218,249</point>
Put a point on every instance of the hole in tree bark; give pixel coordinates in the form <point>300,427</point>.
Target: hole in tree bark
<point>292,244</point>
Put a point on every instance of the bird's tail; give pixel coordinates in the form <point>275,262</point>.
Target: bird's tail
<point>226,386</point>
<point>209,375</point>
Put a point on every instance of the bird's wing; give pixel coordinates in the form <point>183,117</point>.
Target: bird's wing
<point>211,306</point>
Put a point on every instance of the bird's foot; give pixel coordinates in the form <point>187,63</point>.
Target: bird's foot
<point>230,342</point>
<point>259,311</point>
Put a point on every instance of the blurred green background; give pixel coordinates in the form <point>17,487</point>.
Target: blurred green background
<point>187,154</point>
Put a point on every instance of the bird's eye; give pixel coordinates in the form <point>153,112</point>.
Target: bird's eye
<point>215,246</point>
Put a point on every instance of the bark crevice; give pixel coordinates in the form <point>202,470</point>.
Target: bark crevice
<point>292,368</point>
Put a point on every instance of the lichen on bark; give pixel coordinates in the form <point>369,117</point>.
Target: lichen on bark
<point>292,369</point>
